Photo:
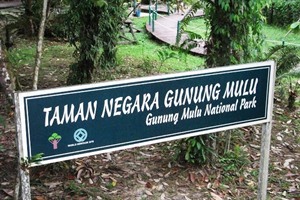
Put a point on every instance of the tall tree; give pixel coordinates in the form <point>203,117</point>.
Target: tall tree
<point>33,14</point>
<point>93,28</point>
<point>110,27</point>
<point>234,36</point>
<point>28,17</point>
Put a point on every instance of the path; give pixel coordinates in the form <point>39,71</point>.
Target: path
<point>165,29</point>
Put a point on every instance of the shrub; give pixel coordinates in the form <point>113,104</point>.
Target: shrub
<point>194,150</point>
<point>286,58</point>
<point>283,13</point>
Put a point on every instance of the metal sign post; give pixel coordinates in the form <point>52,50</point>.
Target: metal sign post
<point>79,121</point>
<point>265,147</point>
<point>264,161</point>
<point>23,185</point>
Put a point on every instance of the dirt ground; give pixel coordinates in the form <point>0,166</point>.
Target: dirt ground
<point>152,172</point>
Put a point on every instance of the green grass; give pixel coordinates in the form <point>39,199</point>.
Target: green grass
<point>148,49</point>
<point>273,35</point>
<point>144,54</point>
<point>24,54</point>
<point>198,26</point>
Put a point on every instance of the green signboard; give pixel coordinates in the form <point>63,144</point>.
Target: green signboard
<point>71,122</point>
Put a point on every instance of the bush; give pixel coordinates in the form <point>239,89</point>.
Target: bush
<point>234,161</point>
<point>286,58</point>
<point>194,150</point>
<point>283,13</point>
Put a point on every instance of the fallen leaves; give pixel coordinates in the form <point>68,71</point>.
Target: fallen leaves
<point>149,185</point>
<point>84,170</point>
<point>287,163</point>
<point>9,192</point>
<point>192,177</point>
<point>148,193</point>
<point>215,196</point>
<point>52,185</point>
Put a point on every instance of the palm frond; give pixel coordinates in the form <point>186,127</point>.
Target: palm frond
<point>189,40</point>
<point>287,57</point>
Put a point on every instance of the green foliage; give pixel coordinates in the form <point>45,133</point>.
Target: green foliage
<point>76,74</point>
<point>188,43</point>
<point>34,159</point>
<point>100,3</point>
<point>54,136</point>
<point>197,25</point>
<point>9,15</point>
<point>21,56</point>
<point>234,36</point>
<point>164,54</point>
<point>234,30</point>
<point>286,57</point>
<point>83,33</point>
<point>146,49</point>
<point>74,188</point>
<point>93,29</point>
<point>147,64</point>
<point>55,25</point>
<point>295,25</point>
<point>194,150</point>
<point>33,12</point>
<point>109,32</point>
<point>234,161</point>
<point>283,13</point>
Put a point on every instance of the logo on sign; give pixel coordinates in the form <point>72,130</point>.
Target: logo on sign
<point>54,140</point>
<point>80,135</point>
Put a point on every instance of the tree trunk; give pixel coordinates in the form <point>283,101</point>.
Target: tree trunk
<point>39,46</point>
<point>55,142</point>
<point>29,27</point>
